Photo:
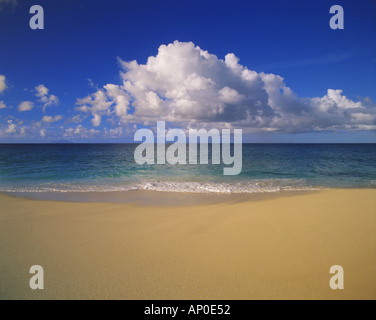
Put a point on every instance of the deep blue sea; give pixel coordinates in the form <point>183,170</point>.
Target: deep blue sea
<point>111,167</point>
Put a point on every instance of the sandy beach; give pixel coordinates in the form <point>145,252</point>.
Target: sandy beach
<point>268,248</point>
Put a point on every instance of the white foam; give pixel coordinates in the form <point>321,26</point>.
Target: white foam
<point>251,187</point>
<point>255,186</point>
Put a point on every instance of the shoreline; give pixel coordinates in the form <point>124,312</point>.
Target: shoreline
<point>276,248</point>
<point>155,198</point>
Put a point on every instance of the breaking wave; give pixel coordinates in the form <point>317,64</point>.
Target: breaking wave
<point>256,186</point>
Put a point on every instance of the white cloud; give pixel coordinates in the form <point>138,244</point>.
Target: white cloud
<point>11,127</point>
<point>25,106</point>
<point>3,84</point>
<point>2,105</point>
<point>80,132</point>
<point>42,133</point>
<point>22,132</point>
<point>114,132</point>
<point>50,119</point>
<point>77,119</point>
<point>41,91</point>
<point>96,121</point>
<point>186,84</point>
<point>99,103</point>
<point>228,95</point>
<point>45,98</point>
<point>121,100</point>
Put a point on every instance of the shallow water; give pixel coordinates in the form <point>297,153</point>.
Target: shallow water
<point>111,167</point>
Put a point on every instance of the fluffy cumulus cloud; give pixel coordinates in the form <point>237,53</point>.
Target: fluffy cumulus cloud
<point>45,98</point>
<point>185,84</point>
<point>2,105</point>
<point>25,106</point>
<point>3,84</point>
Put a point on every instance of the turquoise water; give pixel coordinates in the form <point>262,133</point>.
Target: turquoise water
<point>111,167</point>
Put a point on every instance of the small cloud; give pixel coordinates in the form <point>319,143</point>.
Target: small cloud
<point>41,91</point>
<point>2,105</point>
<point>25,106</point>
<point>80,132</point>
<point>50,119</point>
<point>91,83</point>
<point>45,98</point>
<point>23,132</point>
<point>42,133</point>
<point>3,84</point>
<point>77,119</point>
<point>11,127</point>
<point>112,99</point>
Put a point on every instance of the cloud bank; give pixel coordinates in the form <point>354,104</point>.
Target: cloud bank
<point>185,84</point>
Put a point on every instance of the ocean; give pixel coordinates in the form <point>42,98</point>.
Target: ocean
<point>111,167</point>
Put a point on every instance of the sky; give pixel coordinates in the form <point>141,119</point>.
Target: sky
<point>100,70</point>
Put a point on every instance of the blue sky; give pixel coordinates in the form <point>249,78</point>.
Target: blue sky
<point>79,61</point>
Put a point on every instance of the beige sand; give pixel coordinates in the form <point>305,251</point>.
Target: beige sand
<point>281,248</point>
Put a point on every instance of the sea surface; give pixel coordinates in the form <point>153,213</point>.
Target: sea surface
<point>111,167</point>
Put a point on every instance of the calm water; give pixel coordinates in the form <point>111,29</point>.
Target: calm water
<point>111,167</point>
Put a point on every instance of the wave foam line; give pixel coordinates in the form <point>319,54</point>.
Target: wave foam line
<point>259,186</point>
